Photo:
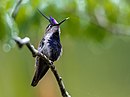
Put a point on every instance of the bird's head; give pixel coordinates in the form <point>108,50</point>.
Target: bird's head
<point>54,25</point>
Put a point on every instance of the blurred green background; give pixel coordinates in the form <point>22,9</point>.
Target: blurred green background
<point>96,48</point>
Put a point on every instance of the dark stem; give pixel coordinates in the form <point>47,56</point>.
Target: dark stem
<point>60,82</point>
<point>15,9</point>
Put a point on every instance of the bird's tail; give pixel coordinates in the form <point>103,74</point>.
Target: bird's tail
<point>41,70</point>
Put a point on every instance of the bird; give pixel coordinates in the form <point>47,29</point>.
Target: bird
<point>49,46</point>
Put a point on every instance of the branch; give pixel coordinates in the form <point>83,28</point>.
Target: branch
<point>16,8</point>
<point>26,41</point>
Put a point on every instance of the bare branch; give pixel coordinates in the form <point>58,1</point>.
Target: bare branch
<point>16,8</point>
<point>26,41</point>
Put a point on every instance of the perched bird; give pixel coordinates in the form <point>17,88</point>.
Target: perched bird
<point>50,46</point>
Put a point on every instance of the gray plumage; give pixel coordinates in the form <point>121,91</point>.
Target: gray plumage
<point>50,46</point>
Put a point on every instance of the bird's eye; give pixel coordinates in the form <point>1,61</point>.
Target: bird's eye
<point>49,26</point>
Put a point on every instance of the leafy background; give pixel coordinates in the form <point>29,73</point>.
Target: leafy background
<point>96,45</point>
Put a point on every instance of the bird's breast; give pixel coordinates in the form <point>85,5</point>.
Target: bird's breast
<point>52,48</point>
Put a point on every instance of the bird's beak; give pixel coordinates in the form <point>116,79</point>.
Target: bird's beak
<point>49,19</point>
<point>63,21</point>
<point>43,15</point>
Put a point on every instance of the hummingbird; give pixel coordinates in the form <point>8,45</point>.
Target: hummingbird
<point>50,46</point>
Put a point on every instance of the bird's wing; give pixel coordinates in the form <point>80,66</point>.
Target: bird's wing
<point>41,67</point>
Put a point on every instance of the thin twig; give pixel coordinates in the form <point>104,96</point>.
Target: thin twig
<point>15,9</point>
<point>26,41</point>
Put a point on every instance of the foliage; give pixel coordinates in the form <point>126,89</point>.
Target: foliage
<point>89,19</point>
